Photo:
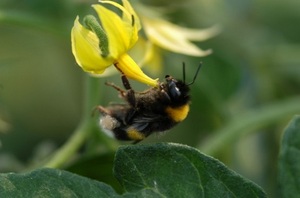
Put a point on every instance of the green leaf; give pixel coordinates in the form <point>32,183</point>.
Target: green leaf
<point>51,183</point>
<point>158,170</point>
<point>289,160</point>
<point>172,170</point>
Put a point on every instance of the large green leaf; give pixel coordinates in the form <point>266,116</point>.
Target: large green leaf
<point>173,170</point>
<point>158,170</point>
<point>289,160</point>
<point>51,183</point>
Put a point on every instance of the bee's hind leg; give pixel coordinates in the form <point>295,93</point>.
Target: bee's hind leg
<point>136,141</point>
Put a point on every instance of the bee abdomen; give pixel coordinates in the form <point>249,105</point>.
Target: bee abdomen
<point>134,134</point>
<point>178,114</point>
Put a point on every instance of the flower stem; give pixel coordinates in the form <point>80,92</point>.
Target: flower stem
<point>250,122</point>
<point>83,131</point>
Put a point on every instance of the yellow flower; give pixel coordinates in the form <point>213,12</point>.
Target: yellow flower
<point>176,38</point>
<point>162,34</point>
<point>96,48</point>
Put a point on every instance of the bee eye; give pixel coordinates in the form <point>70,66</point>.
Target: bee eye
<point>167,76</point>
<point>174,90</point>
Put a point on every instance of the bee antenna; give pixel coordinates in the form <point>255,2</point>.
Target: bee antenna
<point>183,71</point>
<point>196,74</point>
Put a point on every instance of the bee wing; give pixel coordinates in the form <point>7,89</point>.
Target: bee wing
<point>118,111</point>
<point>144,121</point>
<point>147,117</point>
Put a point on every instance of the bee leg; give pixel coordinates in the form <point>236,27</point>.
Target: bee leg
<point>130,97</point>
<point>120,90</point>
<point>166,96</point>
<point>130,92</point>
<point>125,82</point>
<point>136,141</point>
<point>102,110</point>
<point>117,104</point>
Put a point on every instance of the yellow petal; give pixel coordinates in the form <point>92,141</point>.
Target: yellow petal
<point>197,34</point>
<point>129,17</point>
<point>147,55</point>
<point>137,24</point>
<point>154,61</point>
<point>85,48</point>
<point>133,71</point>
<point>170,37</point>
<point>119,32</point>
<point>129,8</point>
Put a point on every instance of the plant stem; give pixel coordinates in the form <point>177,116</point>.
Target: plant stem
<point>80,135</point>
<point>250,122</point>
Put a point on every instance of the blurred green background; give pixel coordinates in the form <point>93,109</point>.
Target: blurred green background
<point>253,72</point>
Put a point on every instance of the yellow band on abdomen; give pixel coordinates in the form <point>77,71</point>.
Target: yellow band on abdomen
<point>179,113</point>
<point>134,134</point>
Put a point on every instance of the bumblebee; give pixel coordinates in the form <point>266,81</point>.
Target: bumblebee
<point>155,110</point>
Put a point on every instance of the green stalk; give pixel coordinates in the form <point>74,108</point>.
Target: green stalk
<point>250,122</point>
<point>83,131</point>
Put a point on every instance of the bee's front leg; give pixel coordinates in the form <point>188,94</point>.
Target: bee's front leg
<point>130,96</point>
<point>130,92</point>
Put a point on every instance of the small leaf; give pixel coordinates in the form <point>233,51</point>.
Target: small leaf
<point>51,183</point>
<point>289,160</point>
<point>172,170</point>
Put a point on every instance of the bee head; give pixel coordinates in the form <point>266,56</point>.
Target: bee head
<point>178,90</point>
